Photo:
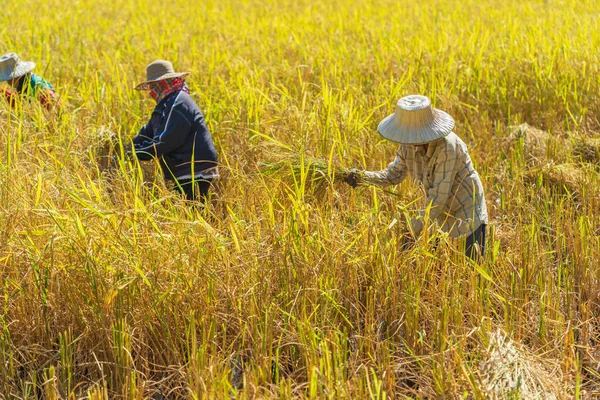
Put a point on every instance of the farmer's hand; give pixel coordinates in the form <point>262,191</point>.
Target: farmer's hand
<point>354,177</point>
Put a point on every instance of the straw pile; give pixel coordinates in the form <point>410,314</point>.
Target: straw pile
<point>534,141</point>
<point>509,372</point>
<point>587,150</point>
<point>561,178</point>
<point>535,145</point>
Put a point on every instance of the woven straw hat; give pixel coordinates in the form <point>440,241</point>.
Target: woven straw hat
<point>157,71</point>
<point>12,67</point>
<point>416,122</point>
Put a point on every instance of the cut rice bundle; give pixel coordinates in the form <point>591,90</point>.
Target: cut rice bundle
<point>509,372</point>
<point>105,151</point>
<point>561,178</point>
<point>534,142</point>
<point>103,147</point>
<point>587,150</point>
<point>317,173</point>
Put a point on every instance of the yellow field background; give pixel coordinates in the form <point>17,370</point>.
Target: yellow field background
<point>111,287</point>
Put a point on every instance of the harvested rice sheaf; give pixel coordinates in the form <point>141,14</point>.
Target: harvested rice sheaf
<point>103,146</point>
<point>105,150</point>
<point>535,141</point>
<point>587,150</point>
<point>561,178</point>
<point>510,372</point>
<point>103,141</point>
<point>292,167</point>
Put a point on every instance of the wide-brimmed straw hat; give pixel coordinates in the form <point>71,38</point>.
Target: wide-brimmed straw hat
<point>157,71</point>
<point>416,122</point>
<point>12,67</point>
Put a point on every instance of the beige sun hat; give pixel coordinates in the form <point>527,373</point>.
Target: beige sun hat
<point>157,71</point>
<point>11,67</point>
<point>416,122</point>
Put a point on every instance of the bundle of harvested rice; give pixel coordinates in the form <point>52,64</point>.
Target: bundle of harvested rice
<point>103,147</point>
<point>561,178</point>
<point>533,140</point>
<point>316,173</point>
<point>105,151</point>
<point>510,372</point>
<point>587,150</point>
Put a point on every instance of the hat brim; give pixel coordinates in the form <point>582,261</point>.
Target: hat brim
<point>21,69</point>
<point>146,85</point>
<point>442,126</point>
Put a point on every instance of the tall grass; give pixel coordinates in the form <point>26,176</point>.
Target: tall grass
<point>112,287</point>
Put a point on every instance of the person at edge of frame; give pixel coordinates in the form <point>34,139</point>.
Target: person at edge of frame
<point>431,153</point>
<point>18,74</point>
<point>176,134</point>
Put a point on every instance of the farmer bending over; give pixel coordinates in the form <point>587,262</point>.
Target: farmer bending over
<point>433,155</point>
<point>23,82</point>
<point>176,133</point>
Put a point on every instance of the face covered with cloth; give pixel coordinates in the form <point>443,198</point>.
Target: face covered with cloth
<point>161,89</point>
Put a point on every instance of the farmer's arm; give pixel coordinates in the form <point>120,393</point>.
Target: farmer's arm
<point>144,135</point>
<point>439,193</point>
<point>142,139</point>
<point>173,136</point>
<point>395,172</point>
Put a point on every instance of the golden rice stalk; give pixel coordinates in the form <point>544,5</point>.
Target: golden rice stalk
<point>510,372</point>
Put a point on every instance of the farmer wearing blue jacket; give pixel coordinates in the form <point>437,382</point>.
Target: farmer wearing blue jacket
<point>176,134</point>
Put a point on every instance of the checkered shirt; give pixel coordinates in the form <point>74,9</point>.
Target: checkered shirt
<point>455,198</point>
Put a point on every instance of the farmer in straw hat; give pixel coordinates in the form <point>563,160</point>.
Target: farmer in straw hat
<point>433,155</point>
<point>176,134</point>
<point>24,82</point>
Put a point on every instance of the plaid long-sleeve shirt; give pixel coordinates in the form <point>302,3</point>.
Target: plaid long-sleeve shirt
<point>454,191</point>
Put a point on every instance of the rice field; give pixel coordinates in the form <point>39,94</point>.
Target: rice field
<point>290,284</point>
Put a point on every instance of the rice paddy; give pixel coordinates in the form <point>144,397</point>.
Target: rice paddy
<point>290,284</point>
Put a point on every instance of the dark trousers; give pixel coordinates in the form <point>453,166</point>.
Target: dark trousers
<point>193,189</point>
<point>476,238</point>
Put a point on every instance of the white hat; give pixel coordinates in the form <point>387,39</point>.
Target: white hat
<point>416,122</point>
<point>12,67</point>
